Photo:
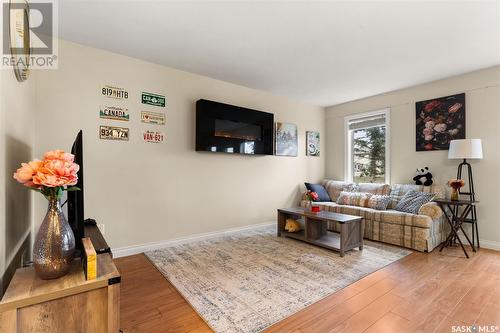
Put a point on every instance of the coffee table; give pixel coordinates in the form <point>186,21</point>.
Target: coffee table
<point>315,231</point>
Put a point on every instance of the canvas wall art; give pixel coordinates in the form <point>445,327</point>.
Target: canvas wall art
<point>438,121</point>
<point>286,139</point>
<point>312,143</point>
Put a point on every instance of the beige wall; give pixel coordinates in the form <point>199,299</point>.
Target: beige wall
<point>17,113</point>
<point>152,192</point>
<point>482,90</point>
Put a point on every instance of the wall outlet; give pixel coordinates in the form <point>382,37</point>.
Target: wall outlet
<point>102,228</point>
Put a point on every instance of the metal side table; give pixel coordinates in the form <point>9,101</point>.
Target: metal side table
<point>452,207</point>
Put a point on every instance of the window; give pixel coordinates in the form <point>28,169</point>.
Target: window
<point>367,149</point>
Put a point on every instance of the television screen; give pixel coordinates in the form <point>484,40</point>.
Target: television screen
<point>75,198</point>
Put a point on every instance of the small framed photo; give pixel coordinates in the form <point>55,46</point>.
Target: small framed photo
<point>286,139</point>
<point>312,143</point>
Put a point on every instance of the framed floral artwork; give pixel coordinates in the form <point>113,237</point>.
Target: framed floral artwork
<point>438,121</point>
<point>312,143</point>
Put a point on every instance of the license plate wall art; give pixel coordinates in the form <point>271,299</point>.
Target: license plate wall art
<point>114,92</point>
<point>156,118</point>
<point>114,113</point>
<point>153,99</point>
<point>153,136</point>
<point>113,133</point>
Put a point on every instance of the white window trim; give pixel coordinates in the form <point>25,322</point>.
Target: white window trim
<point>348,143</point>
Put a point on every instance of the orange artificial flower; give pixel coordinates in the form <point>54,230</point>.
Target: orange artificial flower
<point>27,170</point>
<point>54,174</point>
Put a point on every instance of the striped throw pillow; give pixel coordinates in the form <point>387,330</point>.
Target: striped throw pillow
<point>413,200</point>
<point>335,187</point>
<point>379,202</point>
<point>353,199</point>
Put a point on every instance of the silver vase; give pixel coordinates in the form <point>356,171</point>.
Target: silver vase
<point>54,244</point>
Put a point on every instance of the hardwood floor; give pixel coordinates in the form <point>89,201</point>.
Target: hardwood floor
<point>420,293</point>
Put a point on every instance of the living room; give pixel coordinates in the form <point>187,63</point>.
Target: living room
<point>197,225</point>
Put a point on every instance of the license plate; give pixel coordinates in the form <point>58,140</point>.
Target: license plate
<point>113,133</point>
<point>114,112</point>
<point>156,118</point>
<point>153,99</point>
<point>153,136</point>
<point>114,92</point>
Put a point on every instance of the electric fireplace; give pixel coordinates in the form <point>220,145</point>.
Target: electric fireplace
<point>232,129</point>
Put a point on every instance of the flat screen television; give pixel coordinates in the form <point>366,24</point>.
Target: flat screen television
<point>232,129</point>
<point>75,198</point>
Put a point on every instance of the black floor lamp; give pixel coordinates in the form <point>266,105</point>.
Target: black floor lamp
<point>467,149</point>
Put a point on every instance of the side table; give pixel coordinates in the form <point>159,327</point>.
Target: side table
<point>452,207</point>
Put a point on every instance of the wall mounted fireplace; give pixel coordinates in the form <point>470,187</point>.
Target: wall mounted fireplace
<point>232,129</point>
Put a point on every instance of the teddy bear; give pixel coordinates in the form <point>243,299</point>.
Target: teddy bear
<point>423,177</point>
<point>292,225</point>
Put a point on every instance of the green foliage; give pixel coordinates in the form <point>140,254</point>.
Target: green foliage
<point>54,192</point>
<point>371,148</point>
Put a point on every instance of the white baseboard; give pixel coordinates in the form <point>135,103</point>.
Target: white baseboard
<point>140,248</point>
<point>487,244</point>
<point>484,243</point>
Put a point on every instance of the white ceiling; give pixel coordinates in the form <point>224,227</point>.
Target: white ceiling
<point>322,53</point>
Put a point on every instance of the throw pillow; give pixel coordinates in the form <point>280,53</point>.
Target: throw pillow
<point>353,199</point>
<point>379,202</point>
<point>320,190</point>
<point>334,187</point>
<point>374,188</point>
<point>399,190</point>
<point>413,200</point>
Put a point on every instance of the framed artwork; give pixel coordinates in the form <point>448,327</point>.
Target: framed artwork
<point>19,37</point>
<point>438,121</point>
<point>312,143</point>
<point>286,139</point>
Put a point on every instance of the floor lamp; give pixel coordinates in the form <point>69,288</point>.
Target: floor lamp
<point>467,149</point>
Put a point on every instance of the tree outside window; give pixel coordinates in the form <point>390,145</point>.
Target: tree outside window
<point>368,154</point>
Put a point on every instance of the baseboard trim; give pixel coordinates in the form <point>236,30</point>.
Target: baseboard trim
<point>14,260</point>
<point>484,243</point>
<point>492,245</point>
<point>140,248</point>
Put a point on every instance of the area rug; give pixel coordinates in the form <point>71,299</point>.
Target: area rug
<point>246,282</point>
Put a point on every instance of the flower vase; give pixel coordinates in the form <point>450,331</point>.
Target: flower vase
<point>315,209</point>
<point>54,244</point>
<point>454,194</point>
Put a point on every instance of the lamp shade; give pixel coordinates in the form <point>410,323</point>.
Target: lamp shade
<point>465,148</point>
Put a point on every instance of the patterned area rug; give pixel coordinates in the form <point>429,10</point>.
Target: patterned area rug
<point>246,282</point>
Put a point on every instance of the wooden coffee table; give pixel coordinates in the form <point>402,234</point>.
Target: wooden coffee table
<point>351,230</point>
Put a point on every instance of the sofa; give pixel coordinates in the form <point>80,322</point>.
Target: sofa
<point>419,232</point>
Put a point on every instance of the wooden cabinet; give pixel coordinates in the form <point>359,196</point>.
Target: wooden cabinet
<point>67,304</point>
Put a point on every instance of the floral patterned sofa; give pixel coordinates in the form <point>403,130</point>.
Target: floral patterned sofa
<point>419,232</point>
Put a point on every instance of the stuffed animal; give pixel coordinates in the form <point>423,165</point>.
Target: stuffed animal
<point>423,177</point>
<point>292,225</point>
